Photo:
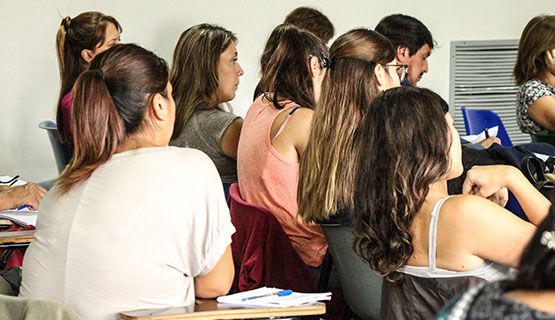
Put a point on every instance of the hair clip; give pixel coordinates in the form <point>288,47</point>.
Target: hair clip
<point>548,239</point>
<point>66,22</point>
<point>329,63</point>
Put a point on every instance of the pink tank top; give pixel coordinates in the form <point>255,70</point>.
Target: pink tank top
<point>269,180</point>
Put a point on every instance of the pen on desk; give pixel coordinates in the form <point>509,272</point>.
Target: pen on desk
<point>486,132</point>
<point>23,207</point>
<point>278,293</point>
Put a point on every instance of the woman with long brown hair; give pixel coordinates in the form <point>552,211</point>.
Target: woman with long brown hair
<point>535,74</point>
<point>362,65</point>
<point>131,223</point>
<point>428,245</point>
<point>205,75</point>
<point>275,134</point>
<point>78,41</point>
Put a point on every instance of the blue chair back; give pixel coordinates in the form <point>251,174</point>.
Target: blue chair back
<point>475,121</point>
<point>63,152</point>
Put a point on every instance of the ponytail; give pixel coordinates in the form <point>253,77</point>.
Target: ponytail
<point>98,128</point>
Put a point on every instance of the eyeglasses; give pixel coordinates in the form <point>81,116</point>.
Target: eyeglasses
<point>401,70</point>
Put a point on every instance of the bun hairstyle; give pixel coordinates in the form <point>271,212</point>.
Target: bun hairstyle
<point>109,106</point>
<point>85,31</point>
<point>285,65</point>
<point>408,126</point>
<point>326,182</point>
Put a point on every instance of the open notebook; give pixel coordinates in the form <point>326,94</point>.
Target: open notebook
<point>22,217</point>
<point>266,299</point>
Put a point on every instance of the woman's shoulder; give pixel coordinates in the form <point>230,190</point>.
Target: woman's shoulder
<point>536,87</point>
<point>466,207</point>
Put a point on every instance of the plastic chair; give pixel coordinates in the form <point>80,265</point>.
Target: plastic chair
<point>362,287</point>
<point>63,152</point>
<point>543,137</point>
<point>475,121</point>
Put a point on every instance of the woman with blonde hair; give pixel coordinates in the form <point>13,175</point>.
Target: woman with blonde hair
<point>430,246</point>
<point>78,41</point>
<point>362,64</point>
<point>131,223</point>
<point>535,74</point>
<point>275,134</point>
<point>205,75</point>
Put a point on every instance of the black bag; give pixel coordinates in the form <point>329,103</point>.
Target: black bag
<point>534,169</point>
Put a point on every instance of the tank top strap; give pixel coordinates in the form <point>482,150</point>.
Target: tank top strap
<point>286,120</point>
<point>432,237</point>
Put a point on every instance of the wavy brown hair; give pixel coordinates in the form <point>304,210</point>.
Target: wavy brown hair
<point>402,147</point>
<point>349,86</point>
<point>194,71</point>
<point>109,106</point>
<point>537,37</point>
<point>85,31</point>
<point>285,74</point>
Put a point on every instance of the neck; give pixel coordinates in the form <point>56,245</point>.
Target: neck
<point>141,141</point>
<point>438,188</point>
<point>547,77</point>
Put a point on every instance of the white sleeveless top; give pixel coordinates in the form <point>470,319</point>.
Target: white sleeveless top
<point>489,270</point>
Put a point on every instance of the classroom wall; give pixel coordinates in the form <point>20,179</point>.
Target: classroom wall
<point>29,80</point>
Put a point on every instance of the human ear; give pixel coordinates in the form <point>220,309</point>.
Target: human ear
<point>159,107</point>
<point>87,54</point>
<point>402,54</point>
<point>380,77</point>
<point>314,67</point>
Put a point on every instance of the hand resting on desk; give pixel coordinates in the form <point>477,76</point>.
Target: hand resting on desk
<point>27,194</point>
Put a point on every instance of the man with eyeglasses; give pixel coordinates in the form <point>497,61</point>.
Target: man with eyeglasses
<point>412,41</point>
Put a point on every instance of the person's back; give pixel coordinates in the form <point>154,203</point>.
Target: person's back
<point>126,243</point>
<point>131,223</point>
<point>275,134</point>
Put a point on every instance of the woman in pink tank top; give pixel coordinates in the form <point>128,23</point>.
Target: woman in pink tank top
<point>275,133</point>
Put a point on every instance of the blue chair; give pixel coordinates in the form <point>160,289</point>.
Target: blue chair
<point>63,152</point>
<point>475,121</point>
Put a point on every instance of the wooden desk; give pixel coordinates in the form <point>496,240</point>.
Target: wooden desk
<point>10,238</point>
<point>209,309</point>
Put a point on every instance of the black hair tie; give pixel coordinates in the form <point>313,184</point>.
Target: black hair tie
<point>329,63</point>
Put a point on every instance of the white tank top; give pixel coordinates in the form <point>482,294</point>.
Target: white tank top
<point>489,270</point>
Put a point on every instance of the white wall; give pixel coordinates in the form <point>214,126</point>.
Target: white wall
<point>29,80</point>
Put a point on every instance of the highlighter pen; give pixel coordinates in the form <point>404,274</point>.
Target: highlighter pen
<point>23,207</point>
<point>279,294</point>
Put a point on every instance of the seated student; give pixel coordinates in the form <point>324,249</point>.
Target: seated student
<point>78,41</point>
<point>428,245</point>
<point>275,135</point>
<point>205,74</point>
<point>531,295</point>
<point>305,18</point>
<point>362,65</point>
<point>131,223</point>
<point>535,74</point>
<point>15,197</point>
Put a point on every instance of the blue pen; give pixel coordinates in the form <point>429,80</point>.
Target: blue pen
<point>278,293</point>
<point>23,207</point>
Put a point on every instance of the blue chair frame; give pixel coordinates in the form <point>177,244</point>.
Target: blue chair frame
<point>475,121</point>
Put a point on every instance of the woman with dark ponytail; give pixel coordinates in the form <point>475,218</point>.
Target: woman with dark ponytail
<point>131,223</point>
<point>77,42</point>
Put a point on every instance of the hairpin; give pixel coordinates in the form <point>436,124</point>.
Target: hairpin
<point>66,22</point>
<point>548,239</point>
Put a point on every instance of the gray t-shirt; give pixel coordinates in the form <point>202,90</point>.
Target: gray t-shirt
<point>204,132</point>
